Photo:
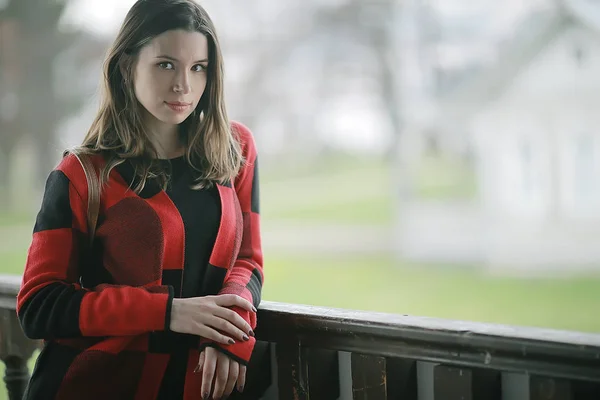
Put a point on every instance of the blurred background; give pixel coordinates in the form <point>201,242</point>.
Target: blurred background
<point>424,157</point>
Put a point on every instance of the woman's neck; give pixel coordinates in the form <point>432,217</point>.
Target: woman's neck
<point>167,147</point>
<point>166,140</point>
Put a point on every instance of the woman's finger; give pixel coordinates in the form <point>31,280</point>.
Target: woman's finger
<point>235,319</point>
<point>222,375</point>
<point>229,329</point>
<point>234,371</point>
<point>233,300</point>
<point>209,332</point>
<point>200,362</point>
<point>208,373</point>
<point>241,378</point>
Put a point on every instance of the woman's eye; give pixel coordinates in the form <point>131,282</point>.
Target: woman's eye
<point>198,68</point>
<point>166,65</point>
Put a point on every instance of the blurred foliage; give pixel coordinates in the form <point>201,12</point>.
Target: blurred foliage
<point>34,54</point>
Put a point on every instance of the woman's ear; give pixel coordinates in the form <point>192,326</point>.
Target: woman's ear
<point>126,67</point>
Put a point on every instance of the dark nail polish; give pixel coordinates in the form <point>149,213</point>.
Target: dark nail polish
<point>205,396</point>
<point>246,338</point>
<point>240,389</point>
<point>251,333</point>
<point>231,341</point>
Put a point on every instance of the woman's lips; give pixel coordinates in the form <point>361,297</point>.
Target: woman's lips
<point>178,106</point>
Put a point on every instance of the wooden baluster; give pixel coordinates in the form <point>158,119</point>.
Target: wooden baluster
<point>486,384</point>
<point>369,377</point>
<point>15,352</point>
<point>16,376</point>
<point>522,386</point>
<point>466,383</point>
<point>542,388</point>
<point>306,373</point>
<point>452,383</point>
<point>258,378</point>
<point>292,365</point>
<point>583,390</point>
<point>401,379</point>
<point>323,374</point>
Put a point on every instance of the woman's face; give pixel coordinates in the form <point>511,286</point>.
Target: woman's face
<point>170,76</point>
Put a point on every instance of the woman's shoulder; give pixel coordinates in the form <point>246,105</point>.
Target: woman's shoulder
<point>70,161</point>
<point>70,165</point>
<point>244,136</point>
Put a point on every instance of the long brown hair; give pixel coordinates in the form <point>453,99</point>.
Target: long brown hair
<point>118,132</point>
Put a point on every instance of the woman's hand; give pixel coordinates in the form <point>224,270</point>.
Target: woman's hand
<point>211,318</point>
<point>226,373</point>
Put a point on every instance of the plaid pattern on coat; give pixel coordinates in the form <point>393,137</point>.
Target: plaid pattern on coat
<point>105,335</point>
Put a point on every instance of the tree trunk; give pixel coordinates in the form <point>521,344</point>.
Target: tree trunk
<point>388,48</point>
<point>45,158</point>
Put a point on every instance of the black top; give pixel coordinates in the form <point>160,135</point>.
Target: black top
<point>201,212</point>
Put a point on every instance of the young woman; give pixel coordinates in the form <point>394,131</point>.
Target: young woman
<point>163,304</point>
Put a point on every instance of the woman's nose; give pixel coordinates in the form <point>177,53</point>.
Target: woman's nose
<point>182,85</point>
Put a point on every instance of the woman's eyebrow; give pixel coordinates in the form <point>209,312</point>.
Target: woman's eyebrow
<point>174,59</point>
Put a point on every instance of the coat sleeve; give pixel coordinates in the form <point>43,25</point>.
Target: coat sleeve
<point>51,304</point>
<point>246,277</point>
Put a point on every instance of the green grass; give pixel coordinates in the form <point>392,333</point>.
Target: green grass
<point>376,210</point>
<point>379,284</point>
<point>9,219</point>
<point>359,194</point>
<point>13,262</point>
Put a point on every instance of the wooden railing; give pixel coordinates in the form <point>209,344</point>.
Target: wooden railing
<point>309,352</point>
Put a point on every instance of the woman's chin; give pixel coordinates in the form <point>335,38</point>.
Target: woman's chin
<point>173,119</point>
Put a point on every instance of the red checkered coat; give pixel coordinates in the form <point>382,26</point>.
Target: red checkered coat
<point>101,343</point>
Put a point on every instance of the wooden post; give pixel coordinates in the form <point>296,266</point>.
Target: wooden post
<point>15,352</point>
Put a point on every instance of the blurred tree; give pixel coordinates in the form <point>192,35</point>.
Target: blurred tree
<point>369,27</point>
<point>9,75</point>
<point>373,31</point>
<point>31,45</point>
<point>296,59</point>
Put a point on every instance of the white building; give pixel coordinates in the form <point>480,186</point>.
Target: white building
<point>532,120</point>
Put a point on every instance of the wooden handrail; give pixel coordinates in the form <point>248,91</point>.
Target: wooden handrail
<point>565,354</point>
<point>307,352</point>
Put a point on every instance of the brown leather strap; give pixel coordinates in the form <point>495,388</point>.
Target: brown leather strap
<point>93,184</point>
